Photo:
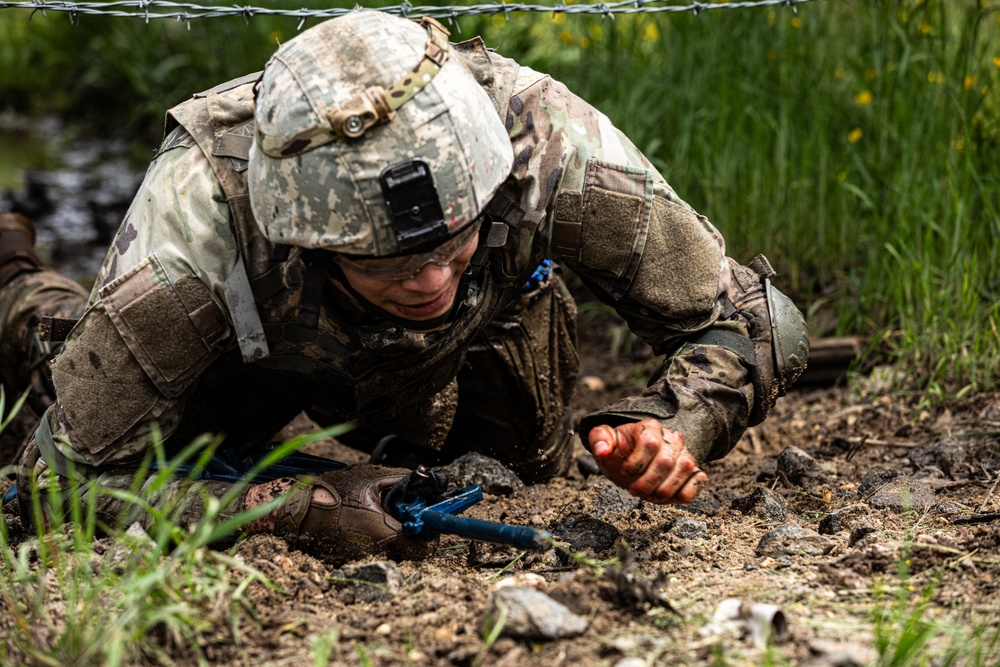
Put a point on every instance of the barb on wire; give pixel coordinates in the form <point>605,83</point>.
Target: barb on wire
<point>187,11</point>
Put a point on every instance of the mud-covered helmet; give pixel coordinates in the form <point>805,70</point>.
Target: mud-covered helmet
<point>371,139</point>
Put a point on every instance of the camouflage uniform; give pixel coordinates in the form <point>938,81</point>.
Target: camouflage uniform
<point>198,323</point>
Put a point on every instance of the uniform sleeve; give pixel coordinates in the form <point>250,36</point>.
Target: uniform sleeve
<point>156,318</point>
<point>599,207</point>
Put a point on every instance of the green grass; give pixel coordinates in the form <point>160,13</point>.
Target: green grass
<point>853,142</point>
<point>81,593</point>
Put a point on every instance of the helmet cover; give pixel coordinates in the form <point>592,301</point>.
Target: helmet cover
<point>330,195</point>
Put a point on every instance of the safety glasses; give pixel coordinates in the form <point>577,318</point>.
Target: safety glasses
<point>404,267</point>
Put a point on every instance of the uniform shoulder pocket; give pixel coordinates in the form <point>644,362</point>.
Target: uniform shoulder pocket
<point>613,223</point>
<point>171,329</point>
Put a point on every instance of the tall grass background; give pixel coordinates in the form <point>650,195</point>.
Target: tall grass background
<point>852,142</point>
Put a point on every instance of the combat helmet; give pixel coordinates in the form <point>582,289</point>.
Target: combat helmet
<point>372,140</point>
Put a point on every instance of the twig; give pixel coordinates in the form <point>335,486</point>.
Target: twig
<point>990,494</point>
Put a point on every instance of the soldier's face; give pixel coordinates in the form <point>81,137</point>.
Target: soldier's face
<point>425,296</point>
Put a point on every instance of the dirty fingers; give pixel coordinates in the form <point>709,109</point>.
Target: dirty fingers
<point>648,460</point>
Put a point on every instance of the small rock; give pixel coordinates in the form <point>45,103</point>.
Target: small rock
<point>706,504</point>
<point>796,466</point>
<point>902,495</point>
<point>764,503</point>
<point>530,614</point>
<point>587,534</point>
<point>791,540</point>
<point>834,522</point>
<point>946,455</point>
<point>593,383</point>
<point>383,629</point>
<point>604,499</point>
<point>860,531</point>
<point>376,581</point>
<point>875,478</point>
<point>631,662</point>
<point>523,580</point>
<point>687,528</point>
<point>491,475</point>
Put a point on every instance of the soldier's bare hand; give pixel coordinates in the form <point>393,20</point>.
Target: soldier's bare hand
<point>648,461</point>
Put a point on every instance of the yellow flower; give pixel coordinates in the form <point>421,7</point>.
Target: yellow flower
<point>596,32</point>
<point>959,144</point>
<point>935,77</point>
<point>275,38</point>
<point>498,20</point>
<point>969,82</point>
<point>841,176</point>
<point>559,18</point>
<point>864,97</point>
<point>772,17</point>
<point>996,61</point>
<point>924,27</point>
<point>854,136</point>
<point>838,73</point>
<point>796,22</point>
<point>566,37</point>
<point>652,32</point>
<point>585,42</point>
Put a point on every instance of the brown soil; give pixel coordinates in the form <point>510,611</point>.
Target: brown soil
<point>938,520</point>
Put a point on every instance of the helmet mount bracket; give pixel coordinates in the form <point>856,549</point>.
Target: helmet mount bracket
<point>412,199</point>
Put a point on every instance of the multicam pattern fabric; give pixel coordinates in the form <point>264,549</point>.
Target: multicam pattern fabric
<point>578,191</point>
<point>374,105</point>
<point>331,196</point>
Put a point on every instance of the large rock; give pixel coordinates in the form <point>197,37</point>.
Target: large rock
<point>526,613</point>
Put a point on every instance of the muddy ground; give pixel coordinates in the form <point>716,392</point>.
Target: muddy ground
<point>874,483</point>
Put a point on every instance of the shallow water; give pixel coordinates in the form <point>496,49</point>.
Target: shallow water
<point>76,190</point>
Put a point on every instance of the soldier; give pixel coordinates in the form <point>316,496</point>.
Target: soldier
<point>363,231</point>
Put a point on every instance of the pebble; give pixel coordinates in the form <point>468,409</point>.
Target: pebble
<point>834,522</point>
<point>523,580</point>
<point>531,614</point>
<point>384,629</point>
<point>631,662</point>
<point>604,499</point>
<point>687,528</point>
<point>791,540</point>
<point>796,466</point>
<point>764,503</point>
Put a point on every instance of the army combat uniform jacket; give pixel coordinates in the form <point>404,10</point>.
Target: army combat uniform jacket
<point>197,323</point>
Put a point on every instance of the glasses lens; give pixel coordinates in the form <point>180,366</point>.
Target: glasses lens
<point>404,267</point>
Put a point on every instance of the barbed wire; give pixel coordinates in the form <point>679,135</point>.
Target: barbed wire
<point>186,11</point>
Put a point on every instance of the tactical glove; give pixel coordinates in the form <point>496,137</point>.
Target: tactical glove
<point>338,516</point>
